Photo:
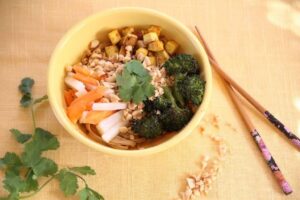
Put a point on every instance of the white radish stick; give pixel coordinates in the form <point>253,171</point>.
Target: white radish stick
<point>76,85</point>
<point>83,116</point>
<point>112,132</point>
<point>109,122</point>
<point>109,106</point>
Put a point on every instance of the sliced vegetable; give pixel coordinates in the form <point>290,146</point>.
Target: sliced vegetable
<point>109,122</point>
<point>112,132</point>
<point>80,104</point>
<point>94,117</point>
<point>109,106</point>
<point>81,92</point>
<point>69,96</point>
<point>86,79</point>
<point>79,69</point>
<point>74,84</point>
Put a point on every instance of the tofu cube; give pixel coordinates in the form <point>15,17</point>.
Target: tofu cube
<point>154,28</point>
<point>127,30</point>
<point>111,51</point>
<point>152,60</point>
<point>171,47</point>
<point>130,39</point>
<point>150,37</point>
<point>156,46</point>
<point>114,36</point>
<point>161,57</point>
<point>141,51</point>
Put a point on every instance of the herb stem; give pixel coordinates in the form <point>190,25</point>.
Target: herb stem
<point>39,189</point>
<point>28,172</point>
<point>33,116</point>
<point>80,177</point>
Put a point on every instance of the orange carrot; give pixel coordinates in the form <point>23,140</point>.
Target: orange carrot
<point>94,117</point>
<point>69,96</point>
<point>80,104</point>
<point>79,69</point>
<point>89,106</point>
<point>86,79</point>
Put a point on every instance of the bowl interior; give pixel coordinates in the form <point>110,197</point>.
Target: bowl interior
<point>75,42</point>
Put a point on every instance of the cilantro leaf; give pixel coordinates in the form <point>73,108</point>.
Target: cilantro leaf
<point>25,88</point>
<point>39,100</point>
<point>126,94</point>
<point>26,100</point>
<point>13,182</point>
<point>138,94</point>
<point>26,85</point>
<point>136,67</point>
<point>11,196</point>
<point>126,80</point>
<point>12,162</point>
<point>84,170</point>
<point>2,164</point>
<point>19,136</point>
<point>31,183</point>
<point>45,167</point>
<point>31,154</point>
<point>134,83</point>
<point>42,141</point>
<point>67,182</point>
<point>89,194</point>
<point>45,140</point>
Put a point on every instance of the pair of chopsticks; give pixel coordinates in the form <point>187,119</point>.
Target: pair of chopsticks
<point>233,88</point>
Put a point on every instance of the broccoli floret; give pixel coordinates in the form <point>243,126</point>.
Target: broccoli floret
<point>174,118</point>
<point>191,87</point>
<point>181,63</point>
<point>160,103</point>
<point>148,127</point>
<point>179,78</point>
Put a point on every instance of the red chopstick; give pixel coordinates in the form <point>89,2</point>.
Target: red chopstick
<point>286,188</point>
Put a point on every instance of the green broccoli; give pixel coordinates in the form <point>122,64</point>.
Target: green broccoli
<point>179,78</point>
<point>191,87</point>
<point>174,118</point>
<point>160,103</point>
<point>148,127</point>
<point>181,63</point>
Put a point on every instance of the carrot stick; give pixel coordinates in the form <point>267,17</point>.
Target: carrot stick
<point>86,79</point>
<point>69,96</point>
<point>80,104</point>
<point>94,117</point>
<point>79,69</point>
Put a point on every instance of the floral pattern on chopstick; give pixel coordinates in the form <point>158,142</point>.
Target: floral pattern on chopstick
<point>291,136</point>
<point>271,163</point>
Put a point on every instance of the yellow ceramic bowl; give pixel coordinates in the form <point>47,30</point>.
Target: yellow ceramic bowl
<point>76,40</point>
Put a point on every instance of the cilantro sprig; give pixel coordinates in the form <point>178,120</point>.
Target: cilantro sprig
<point>135,82</point>
<point>23,171</point>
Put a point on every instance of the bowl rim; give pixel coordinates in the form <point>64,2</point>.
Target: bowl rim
<point>187,130</point>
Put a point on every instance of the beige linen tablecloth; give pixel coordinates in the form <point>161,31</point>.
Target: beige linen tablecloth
<point>256,41</point>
